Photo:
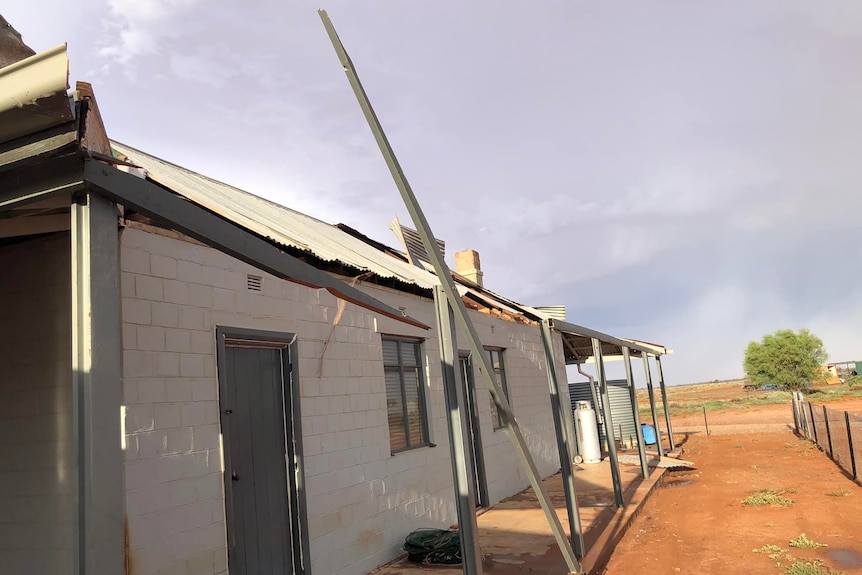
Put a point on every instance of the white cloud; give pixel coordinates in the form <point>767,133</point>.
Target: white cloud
<point>136,28</point>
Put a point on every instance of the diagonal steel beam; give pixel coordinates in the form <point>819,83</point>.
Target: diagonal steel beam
<point>664,402</point>
<point>630,383</point>
<point>460,311</point>
<point>601,377</point>
<point>563,441</point>
<point>651,393</point>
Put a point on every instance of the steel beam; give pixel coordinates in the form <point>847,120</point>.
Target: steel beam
<point>97,391</point>
<point>460,311</point>
<point>456,418</point>
<point>633,397</point>
<point>194,221</point>
<point>664,402</point>
<point>564,442</point>
<point>652,407</point>
<point>609,422</point>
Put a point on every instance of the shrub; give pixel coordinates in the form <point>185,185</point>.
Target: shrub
<point>803,542</point>
<point>764,497</point>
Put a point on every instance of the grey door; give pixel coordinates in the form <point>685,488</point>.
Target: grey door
<point>479,483</point>
<point>259,418</point>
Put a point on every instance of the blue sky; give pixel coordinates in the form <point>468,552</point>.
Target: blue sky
<point>678,172</point>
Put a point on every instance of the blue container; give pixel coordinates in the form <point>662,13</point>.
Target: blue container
<point>649,433</point>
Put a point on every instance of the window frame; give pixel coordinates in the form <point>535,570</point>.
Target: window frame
<point>423,400</point>
<point>502,379</point>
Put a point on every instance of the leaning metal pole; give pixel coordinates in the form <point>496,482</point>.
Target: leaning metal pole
<point>651,393</point>
<point>448,285</point>
<point>609,422</point>
<point>664,402</point>
<point>462,463</point>
<point>564,442</point>
<point>633,397</point>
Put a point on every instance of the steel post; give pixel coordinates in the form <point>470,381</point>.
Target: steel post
<point>652,407</point>
<point>456,418</point>
<point>97,396</point>
<point>633,397</point>
<point>828,431</point>
<point>850,443</point>
<point>813,422</point>
<point>664,402</point>
<point>609,422</point>
<point>460,311</point>
<point>564,442</point>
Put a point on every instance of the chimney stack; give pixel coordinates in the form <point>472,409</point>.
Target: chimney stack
<point>467,264</point>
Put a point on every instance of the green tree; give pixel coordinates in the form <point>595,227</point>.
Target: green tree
<point>786,358</point>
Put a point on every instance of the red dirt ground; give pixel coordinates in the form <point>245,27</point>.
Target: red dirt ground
<point>695,523</point>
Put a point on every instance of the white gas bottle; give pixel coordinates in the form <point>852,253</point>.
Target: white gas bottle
<point>588,433</point>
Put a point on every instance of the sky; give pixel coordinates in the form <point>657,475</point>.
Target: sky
<point>679,172</point>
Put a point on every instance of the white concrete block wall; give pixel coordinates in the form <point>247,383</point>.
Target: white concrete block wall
<point>36,451</point>
<point>361,500</point>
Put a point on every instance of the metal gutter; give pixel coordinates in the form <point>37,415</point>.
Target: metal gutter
<point>33,94</point>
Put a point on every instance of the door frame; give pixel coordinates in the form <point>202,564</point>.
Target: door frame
<point>292,420</point>
<point>476,445</point>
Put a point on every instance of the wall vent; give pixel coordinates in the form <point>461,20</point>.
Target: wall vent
<point>254,283</point>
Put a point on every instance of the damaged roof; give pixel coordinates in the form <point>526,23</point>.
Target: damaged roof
<point>278,223</point>
<point>334,244</point>
<point>351,252</point>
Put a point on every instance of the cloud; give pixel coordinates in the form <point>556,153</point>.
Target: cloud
<point>135,28</point>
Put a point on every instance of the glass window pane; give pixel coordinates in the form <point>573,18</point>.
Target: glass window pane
<point>390,352</point>
<point>395,408</point>
<point>409,353</point>
<point>413,391</point>
<point>495,359</point>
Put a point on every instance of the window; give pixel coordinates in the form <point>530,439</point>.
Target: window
<point>500,376</point>
<point>405,394</point>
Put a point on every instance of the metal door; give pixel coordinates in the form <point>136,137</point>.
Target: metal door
<point>479,483</point>
<point>259,419</point>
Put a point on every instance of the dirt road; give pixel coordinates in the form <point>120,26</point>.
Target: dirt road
<point>696,523</point>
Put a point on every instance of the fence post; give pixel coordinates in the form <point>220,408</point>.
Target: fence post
<point>813,423</point>
<point>850,442</point>
<point>828,433</point>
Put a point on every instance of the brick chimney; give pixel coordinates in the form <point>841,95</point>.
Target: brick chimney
<point>467,264</point>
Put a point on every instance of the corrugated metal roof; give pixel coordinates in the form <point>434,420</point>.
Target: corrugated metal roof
<point>276,222</point>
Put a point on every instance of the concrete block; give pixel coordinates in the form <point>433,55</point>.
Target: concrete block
<point>165,314</point>
<point>137,311</point>
<point>204,389</point>
<point>134,261</point>
<point>177,389</point>
<point>150,338</point>
<point>206,437</point>
<point>167,363</point>
<point>192,365</point>
<point>176,292</point>
<point>193,413</point>
<point>149,288</point>
<point>178,340</point>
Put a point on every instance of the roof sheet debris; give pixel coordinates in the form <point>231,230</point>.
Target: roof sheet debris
<point>664,462</point>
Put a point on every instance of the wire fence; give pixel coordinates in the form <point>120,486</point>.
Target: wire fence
<point>837,433</point>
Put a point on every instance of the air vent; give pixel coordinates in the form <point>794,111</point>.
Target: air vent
<point>254,283</point>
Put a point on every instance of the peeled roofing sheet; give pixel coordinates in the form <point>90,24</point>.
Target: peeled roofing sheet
<point>283,225</point>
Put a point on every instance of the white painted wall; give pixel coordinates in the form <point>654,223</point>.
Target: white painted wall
<point>36,451</point>
<point>362,500</point>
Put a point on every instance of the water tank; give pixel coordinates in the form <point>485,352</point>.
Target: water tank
<point>588,433</point>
